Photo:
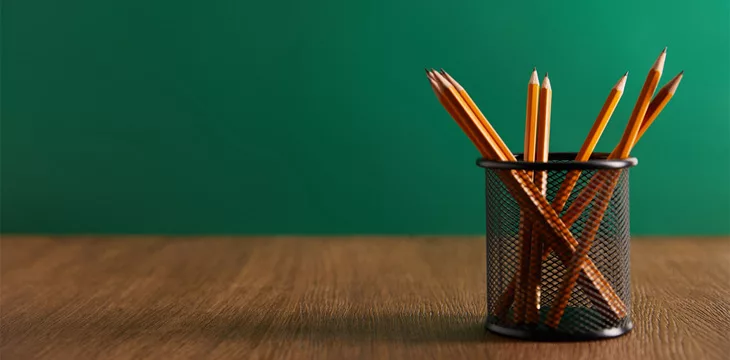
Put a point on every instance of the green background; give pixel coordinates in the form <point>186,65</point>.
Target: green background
<point>232,116</point>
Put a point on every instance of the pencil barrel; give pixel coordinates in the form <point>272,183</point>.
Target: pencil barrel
<point>588,285</point>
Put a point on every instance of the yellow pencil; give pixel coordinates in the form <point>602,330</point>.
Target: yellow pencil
<point>542,145</point>
<point>525,229</point>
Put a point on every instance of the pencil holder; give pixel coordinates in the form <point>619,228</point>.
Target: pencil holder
<point>542,286</point>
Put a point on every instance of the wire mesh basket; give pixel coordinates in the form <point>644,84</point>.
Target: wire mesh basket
<point>543,287</point>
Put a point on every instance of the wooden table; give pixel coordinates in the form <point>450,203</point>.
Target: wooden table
<point>354,297</point>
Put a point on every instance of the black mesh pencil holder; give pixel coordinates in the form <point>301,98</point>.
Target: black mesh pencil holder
<point>551,286</point>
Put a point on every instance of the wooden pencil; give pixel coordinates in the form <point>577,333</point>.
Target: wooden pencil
<point>542,143</point>
<point>542,149</point>
<point>525,227</point>
<point>622,150</point>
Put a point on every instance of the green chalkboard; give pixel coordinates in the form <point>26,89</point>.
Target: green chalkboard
<point>229,116</point>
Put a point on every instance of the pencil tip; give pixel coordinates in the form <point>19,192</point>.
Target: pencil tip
<point>665,50</point>
<point>621,84</point>
<point>659,63</point>
<point>546,83</point>
<point>679,76</point>
<point>546,74</point>
<point>438,76</point>
<point>674,83</point>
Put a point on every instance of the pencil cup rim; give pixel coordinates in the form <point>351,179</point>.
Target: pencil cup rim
<point>598,161</point>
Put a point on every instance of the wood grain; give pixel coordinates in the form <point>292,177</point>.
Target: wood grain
<point>352,297</point>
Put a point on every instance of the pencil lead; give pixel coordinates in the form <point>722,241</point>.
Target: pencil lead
<point>626,74</point>
<point>442,71</point>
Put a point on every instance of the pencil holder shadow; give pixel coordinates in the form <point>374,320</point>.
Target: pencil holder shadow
<point>552,286</point>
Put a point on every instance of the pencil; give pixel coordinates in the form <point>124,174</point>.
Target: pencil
<point>659,102</point>
<point>642,104</point>
<point>542,145</point>
<point>568,184</point>
<point>622,150</point>
<point>531,200</point>
<point>525,229</point>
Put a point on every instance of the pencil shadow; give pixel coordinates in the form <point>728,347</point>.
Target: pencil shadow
<point>266,324</point>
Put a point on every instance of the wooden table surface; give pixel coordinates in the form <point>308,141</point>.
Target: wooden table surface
<point>307,297</point>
